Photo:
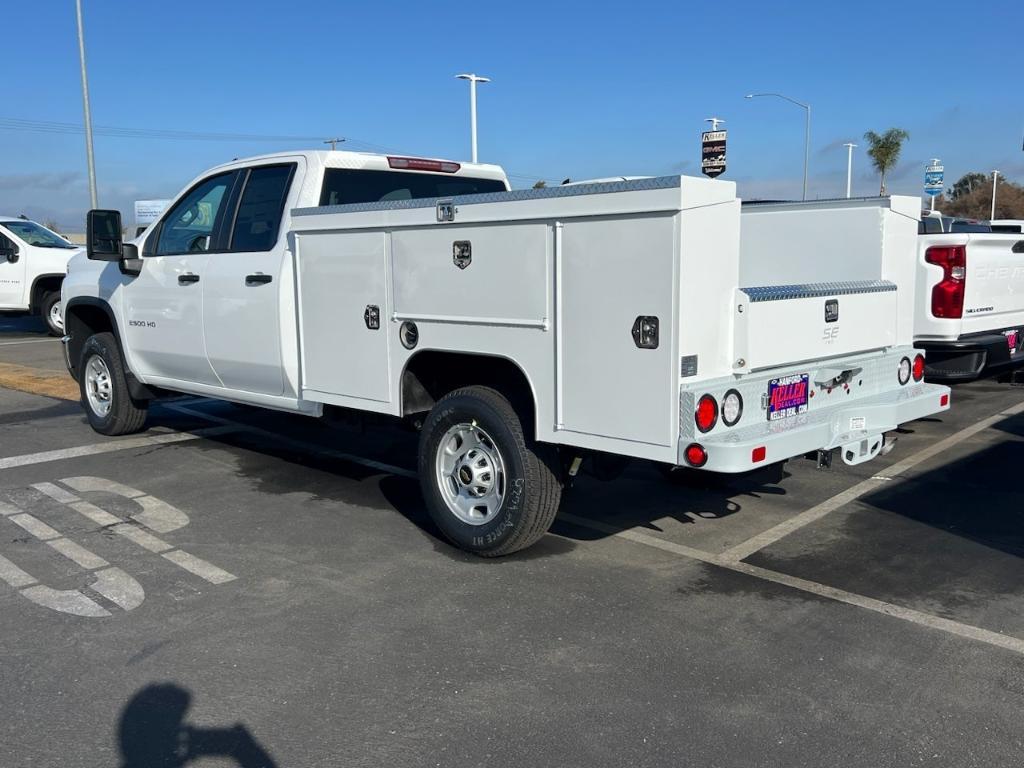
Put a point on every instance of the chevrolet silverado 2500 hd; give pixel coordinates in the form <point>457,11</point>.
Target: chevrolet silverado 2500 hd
<point>33,262</point>
<point>519,329</point>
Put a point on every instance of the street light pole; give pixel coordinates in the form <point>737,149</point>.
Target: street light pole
<point>473,80</point>
<point>807,129</point>
<point>88,115</point>
<point>995,178</point>
<point>849,166</point>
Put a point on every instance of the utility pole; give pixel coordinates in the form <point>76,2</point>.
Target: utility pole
<point>995,178</point>
<point>473,80</point>
<point>807,128</point>
<point>88,115</point>
<point>849,167</point>
<point>334,142</point>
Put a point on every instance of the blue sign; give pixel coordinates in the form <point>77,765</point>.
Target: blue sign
<point>934,180</point>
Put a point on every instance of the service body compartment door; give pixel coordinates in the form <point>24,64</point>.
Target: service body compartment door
<point>610,273</point>
<point>343,315</point>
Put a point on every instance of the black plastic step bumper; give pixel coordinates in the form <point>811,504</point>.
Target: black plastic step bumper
<point>971,357</point>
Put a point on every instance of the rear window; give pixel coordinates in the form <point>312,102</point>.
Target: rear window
<point>1011,228</point>
<point>343,186</point>
<point>968,226</point>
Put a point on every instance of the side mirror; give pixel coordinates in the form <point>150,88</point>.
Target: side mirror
<point>103,235</point>
<point>10,253</point>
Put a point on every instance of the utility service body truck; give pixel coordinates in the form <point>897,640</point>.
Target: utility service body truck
<point>961,285</point>
<point>521,330</point>
<point>33,262</point>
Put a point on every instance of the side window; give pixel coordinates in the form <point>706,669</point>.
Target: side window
<point>260,210</point>
<point>190,226</point>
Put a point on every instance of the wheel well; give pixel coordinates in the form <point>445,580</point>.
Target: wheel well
<point>80,322</point>
<point>430,375</point>
<point>42,286</point>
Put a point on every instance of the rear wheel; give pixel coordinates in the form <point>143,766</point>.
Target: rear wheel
<point>105,397</point>
<point>487,488</point>
<point>52,314</point>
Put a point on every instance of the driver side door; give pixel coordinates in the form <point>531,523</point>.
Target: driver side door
<point>12,274</point>
<point>164,303</point>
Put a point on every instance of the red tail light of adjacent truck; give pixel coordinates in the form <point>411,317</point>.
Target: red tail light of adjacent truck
<point>948,295</point>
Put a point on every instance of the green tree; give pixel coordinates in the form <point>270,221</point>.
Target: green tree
<point>884,151</point>
<point>967,184</point>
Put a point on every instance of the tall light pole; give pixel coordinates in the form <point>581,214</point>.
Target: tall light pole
<point>85,100</point>
<point>995,178</point>
<point>807,129</point>
<point>473,80</point>
<point>849,166</point>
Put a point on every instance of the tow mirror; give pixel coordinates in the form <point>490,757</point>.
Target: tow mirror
<point>103,235</point>
<point>9,252</point>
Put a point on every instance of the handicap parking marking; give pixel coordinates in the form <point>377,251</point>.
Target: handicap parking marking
<point>110,582</point>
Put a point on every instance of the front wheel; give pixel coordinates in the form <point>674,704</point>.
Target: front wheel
<point>487,488</point>
<point>105,397</point>
<point>50,309</point>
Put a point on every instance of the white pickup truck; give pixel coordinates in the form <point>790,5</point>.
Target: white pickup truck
<point>962,284</point>
<point>33,262</point>
<point>521,331</point>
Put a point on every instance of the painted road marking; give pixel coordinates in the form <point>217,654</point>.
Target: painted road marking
<point>158,512</point>
<point>822,590</point>
<point>26,341</point>
<point>111,446</point>
<point>113,583</point>
<point>755,544</point>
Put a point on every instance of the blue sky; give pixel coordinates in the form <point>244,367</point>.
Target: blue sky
<point>580,89</point>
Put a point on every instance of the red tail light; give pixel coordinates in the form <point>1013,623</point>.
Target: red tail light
<point>918,367</point>
<point>696,456</point>
<point>707,413</point>
<point>419,164</point>
<point>948,295</point>
<point>758,454</point>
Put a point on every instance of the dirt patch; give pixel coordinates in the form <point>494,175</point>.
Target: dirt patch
<point>38,381</point>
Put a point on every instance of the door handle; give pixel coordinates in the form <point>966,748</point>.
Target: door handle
<point>258,279</point>
<point>187,278</point>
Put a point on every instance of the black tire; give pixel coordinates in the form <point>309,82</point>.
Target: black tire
<point>45,307</point>
<point>125,415</point>
<point>532,488</point>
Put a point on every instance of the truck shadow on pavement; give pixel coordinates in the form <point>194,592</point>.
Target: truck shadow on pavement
<point>152,733</point>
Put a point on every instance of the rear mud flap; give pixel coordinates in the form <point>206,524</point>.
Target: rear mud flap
<point>862,450</point>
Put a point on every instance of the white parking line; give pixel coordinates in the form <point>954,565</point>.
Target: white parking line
<point>111,446</point>
<point>822,590</point>
<point>755,544</point>
<point>25,341</point>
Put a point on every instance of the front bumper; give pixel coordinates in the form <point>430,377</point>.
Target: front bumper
<point>842,426</point>
<point>972,357</point>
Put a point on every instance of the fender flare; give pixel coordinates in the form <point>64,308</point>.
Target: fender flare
<point>33,304</point>
<point>136,388</point>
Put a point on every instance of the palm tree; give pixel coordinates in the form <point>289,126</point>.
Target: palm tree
<point>885,150</point>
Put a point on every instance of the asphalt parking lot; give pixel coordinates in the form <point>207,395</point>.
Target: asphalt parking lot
<point>238,587</point>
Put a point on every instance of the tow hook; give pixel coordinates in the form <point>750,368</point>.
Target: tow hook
<point>824,458</point>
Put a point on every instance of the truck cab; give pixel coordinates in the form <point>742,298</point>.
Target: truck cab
<point>33,263</point>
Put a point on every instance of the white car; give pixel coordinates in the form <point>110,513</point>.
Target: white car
<point>33,263</point>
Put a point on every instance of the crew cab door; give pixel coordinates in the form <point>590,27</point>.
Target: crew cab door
<point>12,274</point>
<point>163,307</point>
<point>243,285</point>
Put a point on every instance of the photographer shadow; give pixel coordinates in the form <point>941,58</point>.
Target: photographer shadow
<point>153,734</point>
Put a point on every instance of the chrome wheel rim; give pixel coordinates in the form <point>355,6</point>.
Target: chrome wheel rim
<point>56,318</point>
<point>470,474</point>
<point>98,386</point>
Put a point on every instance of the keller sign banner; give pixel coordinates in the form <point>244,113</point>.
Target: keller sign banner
<point>933,179</point>
<point>712,153</point>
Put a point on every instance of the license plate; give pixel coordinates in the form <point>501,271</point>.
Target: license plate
<point>787,396</point>
<point>1012,339</point>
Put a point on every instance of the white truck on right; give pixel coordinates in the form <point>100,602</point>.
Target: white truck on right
<point>966,281</point>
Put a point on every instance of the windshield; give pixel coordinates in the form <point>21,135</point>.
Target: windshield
<point>35,234</point>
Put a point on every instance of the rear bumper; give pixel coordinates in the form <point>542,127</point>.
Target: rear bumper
<point>971,357</point>
<point>826,429</point>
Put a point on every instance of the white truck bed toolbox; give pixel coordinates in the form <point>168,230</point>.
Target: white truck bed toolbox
<point>779,324</point>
